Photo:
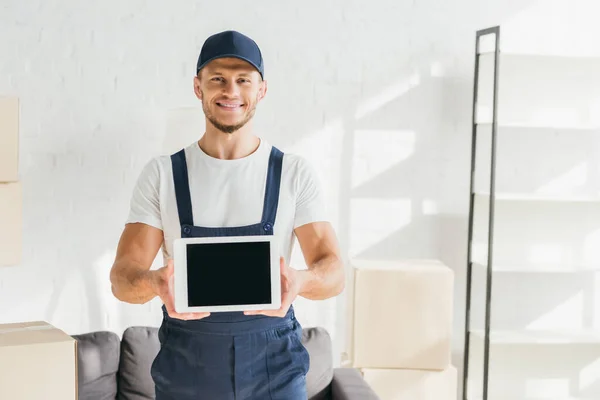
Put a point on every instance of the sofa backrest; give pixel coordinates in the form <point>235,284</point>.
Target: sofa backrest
<point>98,355</point>
<point>113,369</point>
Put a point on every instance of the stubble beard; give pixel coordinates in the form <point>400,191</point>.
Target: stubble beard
<point>223,127</point>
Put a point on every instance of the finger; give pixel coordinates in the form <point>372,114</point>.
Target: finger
<point>280,312</point>
<point>184,316</point>
<point>197,315</point>
<point>286,302</point>
<point>170,267</point>
<point>282,266</point>
<point>268,313</point>
<point>187,316</point>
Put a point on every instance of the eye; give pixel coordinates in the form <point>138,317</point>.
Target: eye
<point>217,79</point>
<point>244,80</point>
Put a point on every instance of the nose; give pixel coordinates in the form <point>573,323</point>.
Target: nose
<point>231,88</point>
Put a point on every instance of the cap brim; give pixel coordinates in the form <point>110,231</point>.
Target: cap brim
<point>226,56</point>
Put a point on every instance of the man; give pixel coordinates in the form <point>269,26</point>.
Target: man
<point>230,182</point>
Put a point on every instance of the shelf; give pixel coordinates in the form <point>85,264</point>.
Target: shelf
<point>542,269</point>
<point>540,91</point>
<point>546,198</point>
<point>553,337</point>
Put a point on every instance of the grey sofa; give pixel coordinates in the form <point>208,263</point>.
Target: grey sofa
<point>119,369</point>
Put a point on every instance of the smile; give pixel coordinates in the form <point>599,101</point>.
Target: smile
<point>230,106</point>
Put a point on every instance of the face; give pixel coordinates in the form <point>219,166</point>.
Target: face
<point>230,89</point>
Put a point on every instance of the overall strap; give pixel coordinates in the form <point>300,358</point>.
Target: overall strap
<point>182,188</point>
<point>272,190</point>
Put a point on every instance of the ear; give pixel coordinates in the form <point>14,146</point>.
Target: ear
<point>197,88</point>
<point>262,92</point>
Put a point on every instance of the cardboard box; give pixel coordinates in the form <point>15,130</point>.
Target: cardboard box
<point>37,361</point>
<point>402,314</point>
<point>405,384</point>
<point>9,139</point>
<point>11,221</point>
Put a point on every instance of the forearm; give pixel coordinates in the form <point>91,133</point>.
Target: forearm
<point>323,279</point>
<point>132,283</point>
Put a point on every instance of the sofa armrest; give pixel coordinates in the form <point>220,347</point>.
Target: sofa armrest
<point>348,384</point>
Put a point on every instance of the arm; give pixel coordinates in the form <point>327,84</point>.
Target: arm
<point>131,278</point>
<point>130,275</point>
<point>325,275</point>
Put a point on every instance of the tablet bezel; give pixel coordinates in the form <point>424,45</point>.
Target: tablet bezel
<point>180,289</point>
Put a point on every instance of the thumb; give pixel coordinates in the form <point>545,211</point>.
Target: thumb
<point>285,270</point>
<point>170,268</point>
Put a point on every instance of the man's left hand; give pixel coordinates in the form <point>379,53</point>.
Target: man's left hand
<point>291,284</point>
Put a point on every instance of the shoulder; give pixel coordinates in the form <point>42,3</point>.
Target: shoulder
<point>300,170</point>
<point>292,162</point>
<point>156,170</point>
<point>296,165</point>
<point>156,165</point>
<point>295,162</point>
<point>163,163</point>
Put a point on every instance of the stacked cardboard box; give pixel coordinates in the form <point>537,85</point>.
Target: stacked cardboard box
<point>37,361</point>
<point>11,218</point>
<point>401,328</point>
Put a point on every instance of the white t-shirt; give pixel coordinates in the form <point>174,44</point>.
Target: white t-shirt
<point>228,193</point>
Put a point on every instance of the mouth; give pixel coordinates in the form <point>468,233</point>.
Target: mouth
<point>229,106</point>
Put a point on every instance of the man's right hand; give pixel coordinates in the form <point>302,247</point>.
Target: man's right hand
<point>162,284</point>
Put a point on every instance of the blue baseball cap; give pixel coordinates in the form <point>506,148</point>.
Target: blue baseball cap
<point>231,44</point>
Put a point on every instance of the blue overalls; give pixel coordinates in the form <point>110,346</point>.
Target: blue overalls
<point>229,355</point>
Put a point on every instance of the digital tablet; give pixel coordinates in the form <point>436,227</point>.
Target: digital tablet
<point>231,273</point>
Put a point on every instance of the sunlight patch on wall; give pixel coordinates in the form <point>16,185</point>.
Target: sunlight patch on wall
<point>568,313</point>
<point>429,207</point>
<point>547,388</point>
<point>594,112</point>
<point>554,27</point>
<point>437,69</point>
<point>558,117</point>
<point>323,150</point>
<point>374,220</point>
<point>589,375</point>
<point>566,182</point>
<point>546,254</point>
<point>376,151</point>
<point>388,95</point>
<point>591,248</point>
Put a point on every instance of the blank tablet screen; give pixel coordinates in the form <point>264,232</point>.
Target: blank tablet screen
<point>225,274</point>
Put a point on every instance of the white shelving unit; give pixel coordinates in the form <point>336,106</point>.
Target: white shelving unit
<point>533,273</point>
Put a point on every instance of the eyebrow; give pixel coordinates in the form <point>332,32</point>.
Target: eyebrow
<point>217,71</point>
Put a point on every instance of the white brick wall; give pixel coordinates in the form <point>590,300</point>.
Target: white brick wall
<point>105,86</point>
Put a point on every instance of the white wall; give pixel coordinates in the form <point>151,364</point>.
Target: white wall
<point>546,152</point>
<point>376,94</point>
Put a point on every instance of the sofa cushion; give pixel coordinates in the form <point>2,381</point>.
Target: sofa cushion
<point>318,343</point>
<point>139,347</point>
<point>97,365</point>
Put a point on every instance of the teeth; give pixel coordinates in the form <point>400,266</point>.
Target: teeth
<point>229,105</point>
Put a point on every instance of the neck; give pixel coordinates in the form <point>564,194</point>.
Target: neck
<point>228,146</point>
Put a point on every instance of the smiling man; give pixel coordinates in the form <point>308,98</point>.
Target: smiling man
<point>230,182</point>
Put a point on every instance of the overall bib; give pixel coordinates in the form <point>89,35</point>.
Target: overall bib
<point>229,355</point>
